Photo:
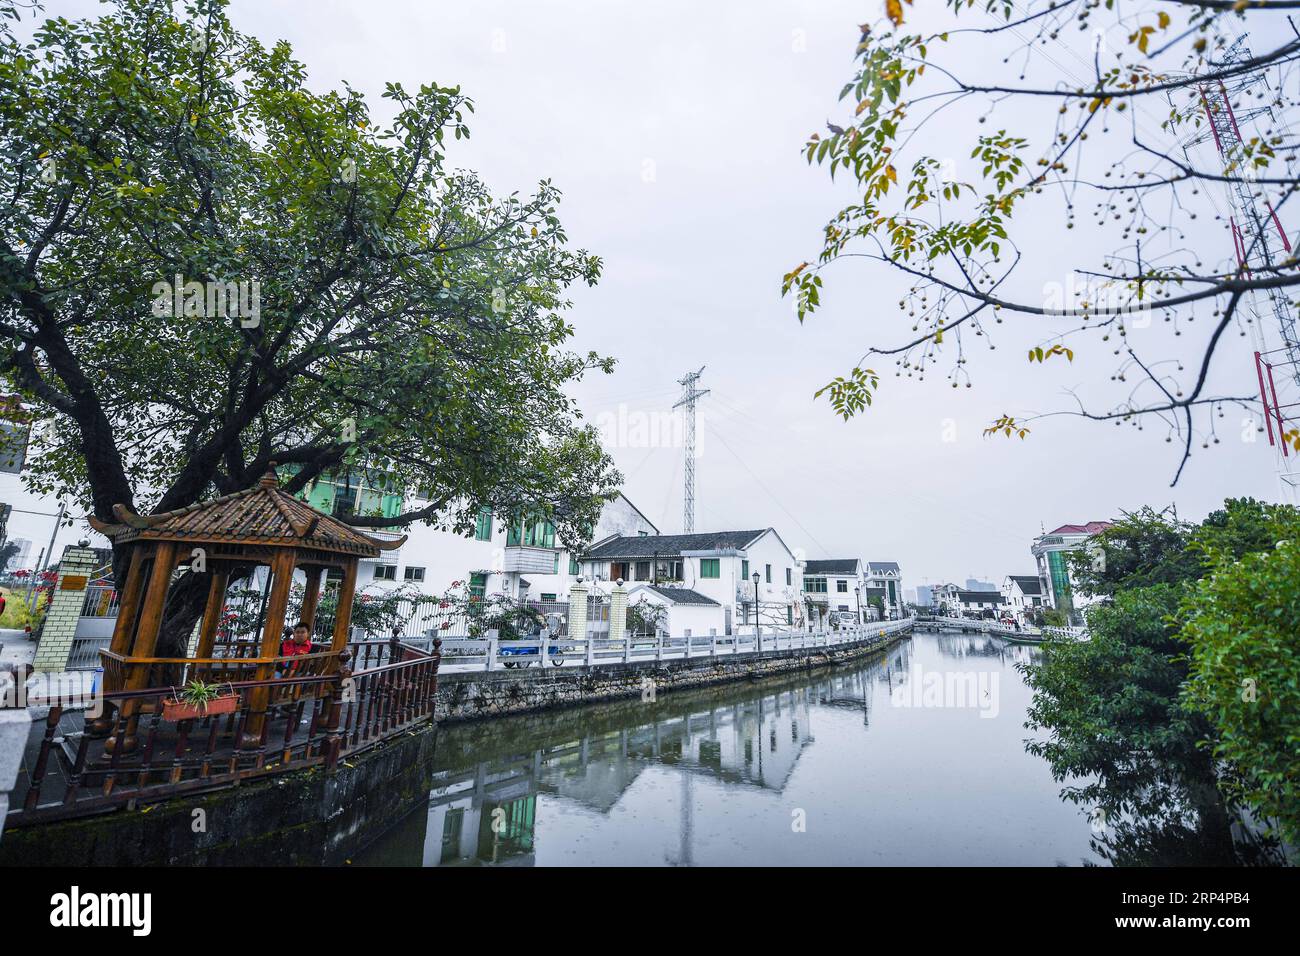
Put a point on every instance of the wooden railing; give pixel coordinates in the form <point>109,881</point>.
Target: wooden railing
<point>310,717</point>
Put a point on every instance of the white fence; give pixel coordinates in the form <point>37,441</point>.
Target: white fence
<point>996,627</point>
<point>489,653</point>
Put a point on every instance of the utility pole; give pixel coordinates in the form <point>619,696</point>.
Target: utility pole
<point>689,394</point>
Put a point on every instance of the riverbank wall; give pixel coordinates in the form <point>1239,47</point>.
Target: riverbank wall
<point>308,818</point>
<point>477,695</point>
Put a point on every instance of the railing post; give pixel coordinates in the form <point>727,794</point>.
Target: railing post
<point>491,649</point>
<point>543,638</point>
<point>659,644</point>
<point>333,739</point>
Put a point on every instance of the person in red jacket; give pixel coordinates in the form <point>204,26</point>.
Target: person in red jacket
<point>295,645</point>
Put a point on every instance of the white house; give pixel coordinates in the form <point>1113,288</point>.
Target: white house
<point>524,559</point>
<point>943,597</point>
<point>685,613</point>
<point>977,603</point>
<point>1051,551</point>
<point>885,580</point>
<point>835,584</point>
<point>1023,594</point>
<point>719,565</point>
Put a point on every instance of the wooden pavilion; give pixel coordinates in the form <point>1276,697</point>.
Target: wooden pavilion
<point>227,537</point>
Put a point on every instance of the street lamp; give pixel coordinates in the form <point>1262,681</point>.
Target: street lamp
<point>857,602</point>
<point>758,628</point>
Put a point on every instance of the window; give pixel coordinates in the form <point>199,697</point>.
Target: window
<point>413,574</point>
<point>385,572</point>
<point>769,574</point>
<point>531,532</point>
<point>843,607</point>
<point>789,614</point>
<point>668,569</point>
<point>842,587</point>
<point>556,569</point>
<point>483,525</point>
<point>643,570</point>
<point>744,569</point>
<point>573,566</point>
<point>478,585</point>
<point>710,568</point>
<point>789,579</point>
<point>814,585</point>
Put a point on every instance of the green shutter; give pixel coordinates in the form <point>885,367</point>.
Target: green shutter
<point>710,568</point>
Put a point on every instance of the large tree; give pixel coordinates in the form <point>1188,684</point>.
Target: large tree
<point>406,321</point>
<point>978,143</point>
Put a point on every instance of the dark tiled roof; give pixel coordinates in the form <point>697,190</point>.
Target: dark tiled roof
<point>980,597</point>
<point>882,566</point>
<point>683,595</point>
<point>1027,583</point>
<point>832,566</point>
<point>666,545</point>
<point>263,514</point>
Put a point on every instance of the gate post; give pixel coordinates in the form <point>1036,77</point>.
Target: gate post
<point>578,616</point>
<point>68,592</point>
<point>618,618</point>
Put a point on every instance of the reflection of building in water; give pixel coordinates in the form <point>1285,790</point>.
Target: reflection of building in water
<point>487,815</point>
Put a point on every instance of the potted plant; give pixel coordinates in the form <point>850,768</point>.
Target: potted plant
<point>199,699</point>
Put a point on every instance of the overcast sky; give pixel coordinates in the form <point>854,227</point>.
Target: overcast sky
<point>674,129</point>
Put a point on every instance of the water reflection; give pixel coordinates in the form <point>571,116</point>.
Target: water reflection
<point>848,766</point>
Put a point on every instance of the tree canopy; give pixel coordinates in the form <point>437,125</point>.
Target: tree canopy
<point>970,187</point>
<point>383,309</point>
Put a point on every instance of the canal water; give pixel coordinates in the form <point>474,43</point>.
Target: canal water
<point>913,756</point>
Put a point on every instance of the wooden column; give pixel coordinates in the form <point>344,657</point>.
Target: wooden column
<point>212,612</point>
<point>151,615</point>
<point>311,597</point>
<point>146,640</point>
<point>129,607</point>
<point>277,604</point>
<point>347,589</point>
<point>123,635</point>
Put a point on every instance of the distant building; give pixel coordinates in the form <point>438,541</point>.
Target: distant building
<point>885,580</point>
<point>973,585</point>
<point>1051,551</point>
<point>1024,596</point>
<point>23,555</point>
<point>943,597</point>
<point>979,603</point>
<point>924,596</point>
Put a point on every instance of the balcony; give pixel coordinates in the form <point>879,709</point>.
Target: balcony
<point>525,560</point>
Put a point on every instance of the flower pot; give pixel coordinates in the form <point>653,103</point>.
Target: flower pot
<point>175,709</point>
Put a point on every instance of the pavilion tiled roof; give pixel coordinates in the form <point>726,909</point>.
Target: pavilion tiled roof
<point>263,514</point>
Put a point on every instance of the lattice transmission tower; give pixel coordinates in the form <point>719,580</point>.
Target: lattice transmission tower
<point>1260,245</point>
<point>689,394</point>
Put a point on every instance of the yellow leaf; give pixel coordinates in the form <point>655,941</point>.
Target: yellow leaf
<point>894,10</point>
